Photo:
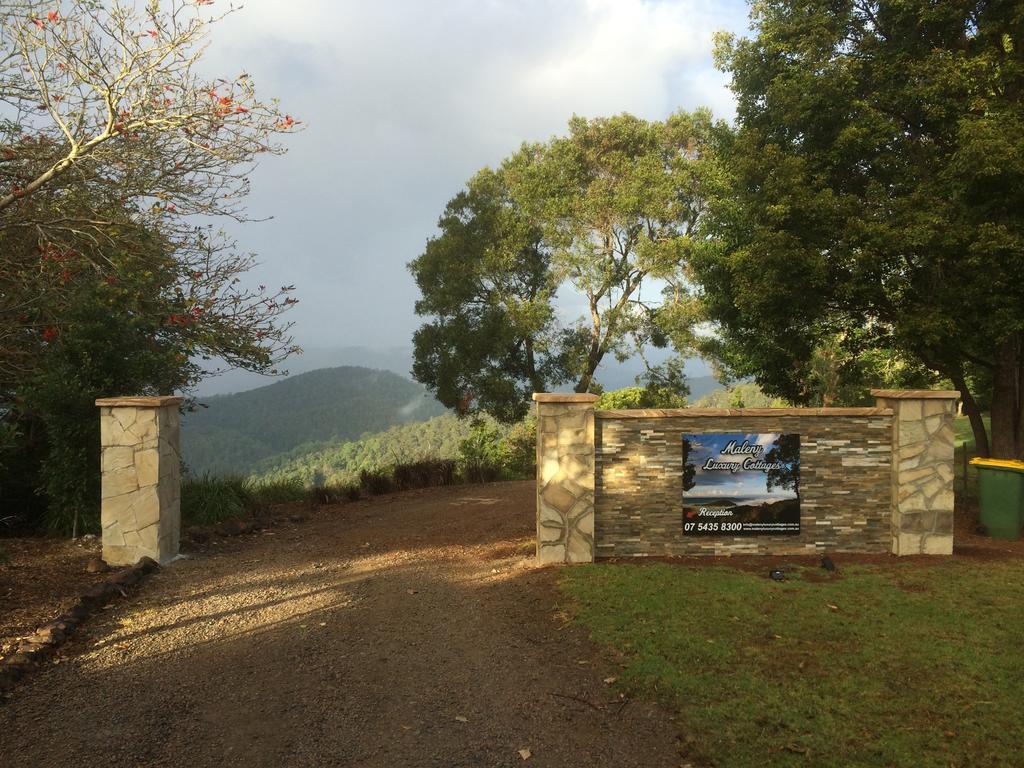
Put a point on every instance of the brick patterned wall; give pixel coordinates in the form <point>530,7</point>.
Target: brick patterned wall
<point>845,481</point>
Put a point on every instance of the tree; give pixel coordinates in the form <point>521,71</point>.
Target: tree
<point>689,468</point>
<point>486,282</point>
<point>111,132</point>
<point>874,198</point>
<point>111,146</point>
<point>601,211</point>
<point>786,451</point>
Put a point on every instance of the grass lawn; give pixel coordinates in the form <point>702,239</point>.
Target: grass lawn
<point>897,665</point>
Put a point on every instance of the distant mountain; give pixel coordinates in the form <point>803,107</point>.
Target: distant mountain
<point>234,432</point>
<point>611,374</point>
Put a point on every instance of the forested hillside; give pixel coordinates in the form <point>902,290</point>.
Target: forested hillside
<point>235,432</point>
<point>437,438</point>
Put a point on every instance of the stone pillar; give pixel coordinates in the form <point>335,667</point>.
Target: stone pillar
<point>565,477</point>
<point>922,469</point>
<point>141,508</point>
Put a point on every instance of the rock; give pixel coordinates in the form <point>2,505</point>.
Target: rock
<point>49,634</point>
<point>100,594</point>
<point>66,624</point>
<point>146,565</point>
<point>96,565</point>
<point>32,648</point>
<point>78,612</point>
<point>127,577</point>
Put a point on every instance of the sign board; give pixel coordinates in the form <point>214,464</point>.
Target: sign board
<point>737,484</point>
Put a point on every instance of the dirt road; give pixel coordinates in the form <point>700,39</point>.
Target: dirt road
<point>408,630</point>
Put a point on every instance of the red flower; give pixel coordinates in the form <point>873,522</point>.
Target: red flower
<point>39,23</point>
<point>50,333</point>
<point>52,16</point>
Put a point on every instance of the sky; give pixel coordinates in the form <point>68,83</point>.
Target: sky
<point>744,484</point>
<point>403,101</point>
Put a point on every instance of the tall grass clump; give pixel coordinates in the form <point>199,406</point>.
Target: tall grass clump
<point>266,493</point>
<point>207,499</point>
<point>377,481</point>
<point>426,473</point>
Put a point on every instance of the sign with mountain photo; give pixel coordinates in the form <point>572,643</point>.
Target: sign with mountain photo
<point>737,484</point>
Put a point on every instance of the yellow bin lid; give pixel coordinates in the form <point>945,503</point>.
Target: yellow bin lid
<point>998,463</point>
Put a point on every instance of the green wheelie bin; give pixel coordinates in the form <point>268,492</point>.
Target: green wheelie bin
<point>1001,496</point>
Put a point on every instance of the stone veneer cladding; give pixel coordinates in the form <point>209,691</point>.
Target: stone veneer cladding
<point>141,485</point>
<point>922,476</point>
<point>565,478</point>
<point>845,470</point>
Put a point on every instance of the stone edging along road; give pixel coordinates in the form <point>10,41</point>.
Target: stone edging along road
<point>37,647</point>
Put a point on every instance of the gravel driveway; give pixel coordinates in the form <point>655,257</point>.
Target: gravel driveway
<point>406,630</point>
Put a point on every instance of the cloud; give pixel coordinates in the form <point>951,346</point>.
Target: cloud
<point>405,101</point>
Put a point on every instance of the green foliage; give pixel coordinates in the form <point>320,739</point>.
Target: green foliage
<point>480,455</point>
<point>490,453</point>
<point>207,500</point>
<point>486,282</point>
<point>638,397</point>
<point>237,432</point>
<point>599,211</point>
<point>109,345</point>
<point>426,473</point>
<point>376,481</point>
<point>741,395</point>
<point>871,199</point>
<point>267,493</point>
<point>808,672</point>
<point>436,438</point>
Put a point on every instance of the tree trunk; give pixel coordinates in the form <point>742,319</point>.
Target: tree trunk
<point>970,407</point>
<point>531,364</point>
<point>1008,401</point>
<point>593,360</point>
<point>1008,404</point>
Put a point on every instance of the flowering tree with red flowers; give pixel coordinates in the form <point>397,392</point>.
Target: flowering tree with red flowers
<point>107,121</point>
<point>116,153</point>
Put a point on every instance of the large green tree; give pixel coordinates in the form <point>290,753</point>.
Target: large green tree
<point>486,284</point>
<point>875,196</point>
<point>596,214</point>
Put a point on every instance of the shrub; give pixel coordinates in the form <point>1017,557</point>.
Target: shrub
<point>376,482</point>
<point>207,500</point>
<point>424,474</point>
<point>332,493</point>
<point>519,451</point>
<point>480,453</point>
<point>281,491</point>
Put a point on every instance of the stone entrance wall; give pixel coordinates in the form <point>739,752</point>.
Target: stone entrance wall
<point>872,479</point>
